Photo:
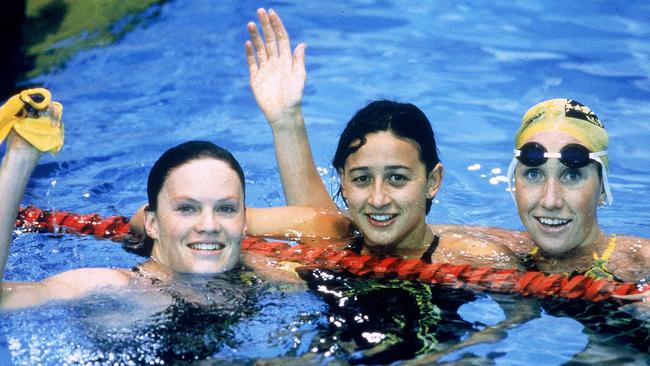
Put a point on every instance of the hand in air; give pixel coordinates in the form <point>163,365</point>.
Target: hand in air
<point>277,77</point>
<point>31,120</point>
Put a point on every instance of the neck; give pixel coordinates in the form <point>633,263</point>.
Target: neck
<point>596,241</point>
<point>153,269</point>
<point>413,243</point>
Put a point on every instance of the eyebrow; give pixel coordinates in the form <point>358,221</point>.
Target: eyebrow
<point>229,199</point>
<point>389,167</point>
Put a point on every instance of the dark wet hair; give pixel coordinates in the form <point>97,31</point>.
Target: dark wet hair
<point>404,120</point>
<point>172,159</point>
<point>181,154</point>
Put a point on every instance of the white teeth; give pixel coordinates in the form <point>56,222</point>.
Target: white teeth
<point>381,217</point>
<point>206,246</point>
<point>553,222</point>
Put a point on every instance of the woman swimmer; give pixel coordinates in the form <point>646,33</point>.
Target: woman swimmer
<point>560,173</point>
<point>195,216</point>
<point>386,159</point>
<point>556,198</point>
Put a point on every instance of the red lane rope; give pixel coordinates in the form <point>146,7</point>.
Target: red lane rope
<point>34,219</point>
<point>334,258</point>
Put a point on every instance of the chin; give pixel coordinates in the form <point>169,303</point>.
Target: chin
<point>214,268</point>
<point>552,248</point>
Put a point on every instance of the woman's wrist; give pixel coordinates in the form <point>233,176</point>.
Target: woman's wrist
<point>20,154</point>
<point>288,121</point>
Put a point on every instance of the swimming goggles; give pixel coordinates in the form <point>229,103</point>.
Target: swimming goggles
<point>573,155</point>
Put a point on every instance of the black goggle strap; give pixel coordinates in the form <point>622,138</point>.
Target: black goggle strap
<point>594,156</point>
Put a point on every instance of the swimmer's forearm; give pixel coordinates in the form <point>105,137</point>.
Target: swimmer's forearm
<point>136,223</point>
<point>301,182</point>
<point>17,166</point>
<point>297,223</point>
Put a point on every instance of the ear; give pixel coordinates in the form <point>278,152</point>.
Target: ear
<point>151,224</point>
<point>341,180</point>
<point>434,180</point>
<point>602,199</point>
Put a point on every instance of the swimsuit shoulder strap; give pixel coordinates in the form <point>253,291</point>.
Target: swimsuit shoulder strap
<point>599,270</point>
<point>426,256</point>
<point>607,253</point>
<point>528,260</point>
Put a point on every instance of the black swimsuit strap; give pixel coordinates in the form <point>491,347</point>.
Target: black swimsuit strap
<point>356,244</point>
<point>138,272</point>
<point>426,256</point>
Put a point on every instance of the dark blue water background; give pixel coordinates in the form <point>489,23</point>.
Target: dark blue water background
<point>474,68</point>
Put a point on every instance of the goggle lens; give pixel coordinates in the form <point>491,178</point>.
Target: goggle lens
<point>575,156</point>
<point>532,154</point>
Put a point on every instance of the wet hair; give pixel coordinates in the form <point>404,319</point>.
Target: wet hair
<point>404,120</point>
<point>170,160</point>
<point>182,154</point>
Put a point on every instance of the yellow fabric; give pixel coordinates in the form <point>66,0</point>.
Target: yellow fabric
<point>611,245</point>
<point>567,116</point>
<point>599,269</point>
<point>30,114</point>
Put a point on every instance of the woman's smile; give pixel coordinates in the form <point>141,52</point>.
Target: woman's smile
<point>200,218</point>
<point>385,186</point>
<point>558,203</point>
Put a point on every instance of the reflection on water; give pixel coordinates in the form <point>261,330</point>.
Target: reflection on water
<point>189,319</point>
<point>374,321</point>
<point>41,35</point>
<point>474,68</point>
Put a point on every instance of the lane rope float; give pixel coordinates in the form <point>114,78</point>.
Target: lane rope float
<point>332,257</point>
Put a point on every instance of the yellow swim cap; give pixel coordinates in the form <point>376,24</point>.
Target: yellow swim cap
<point>567,116</point>
<point>30,114</point>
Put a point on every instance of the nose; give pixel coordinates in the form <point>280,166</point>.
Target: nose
<point>551,195</point>
<point>207,221</point>
<point>379,196</point>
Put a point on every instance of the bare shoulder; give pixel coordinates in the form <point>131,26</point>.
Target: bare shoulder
<point>90,278</point>
<point>63,286</point>
<point>483,251</point>
<point>631,258</point>
<point>634,247</point>
<point>515,240</point>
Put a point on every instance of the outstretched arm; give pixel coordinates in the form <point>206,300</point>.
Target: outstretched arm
<point>43,132</point>
<point>277,78</point>
<point>17,166</point>
<point>302,223</point>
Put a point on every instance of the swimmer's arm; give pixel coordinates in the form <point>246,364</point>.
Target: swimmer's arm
<point>277,79</point>
<point>285,222</point>
<point>67,285</point>
<point>297,222</point>
<point>136,223</point>
<point>517,241</point>
<point>477,250</point>
<point>17,165</point>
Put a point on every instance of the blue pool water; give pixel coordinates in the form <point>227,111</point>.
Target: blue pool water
<point>473,68</point>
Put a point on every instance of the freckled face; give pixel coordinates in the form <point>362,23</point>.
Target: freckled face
<point>200,219</point>
<point>556,203</point>
<point>386,187</point>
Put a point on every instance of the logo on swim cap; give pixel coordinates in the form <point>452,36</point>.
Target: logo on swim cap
<point>533,119</point>
<point>577,110</point>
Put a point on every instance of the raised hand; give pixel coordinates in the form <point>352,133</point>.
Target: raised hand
<point>277,76</point>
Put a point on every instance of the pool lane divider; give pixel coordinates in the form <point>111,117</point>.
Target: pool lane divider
<point>335,258</point>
